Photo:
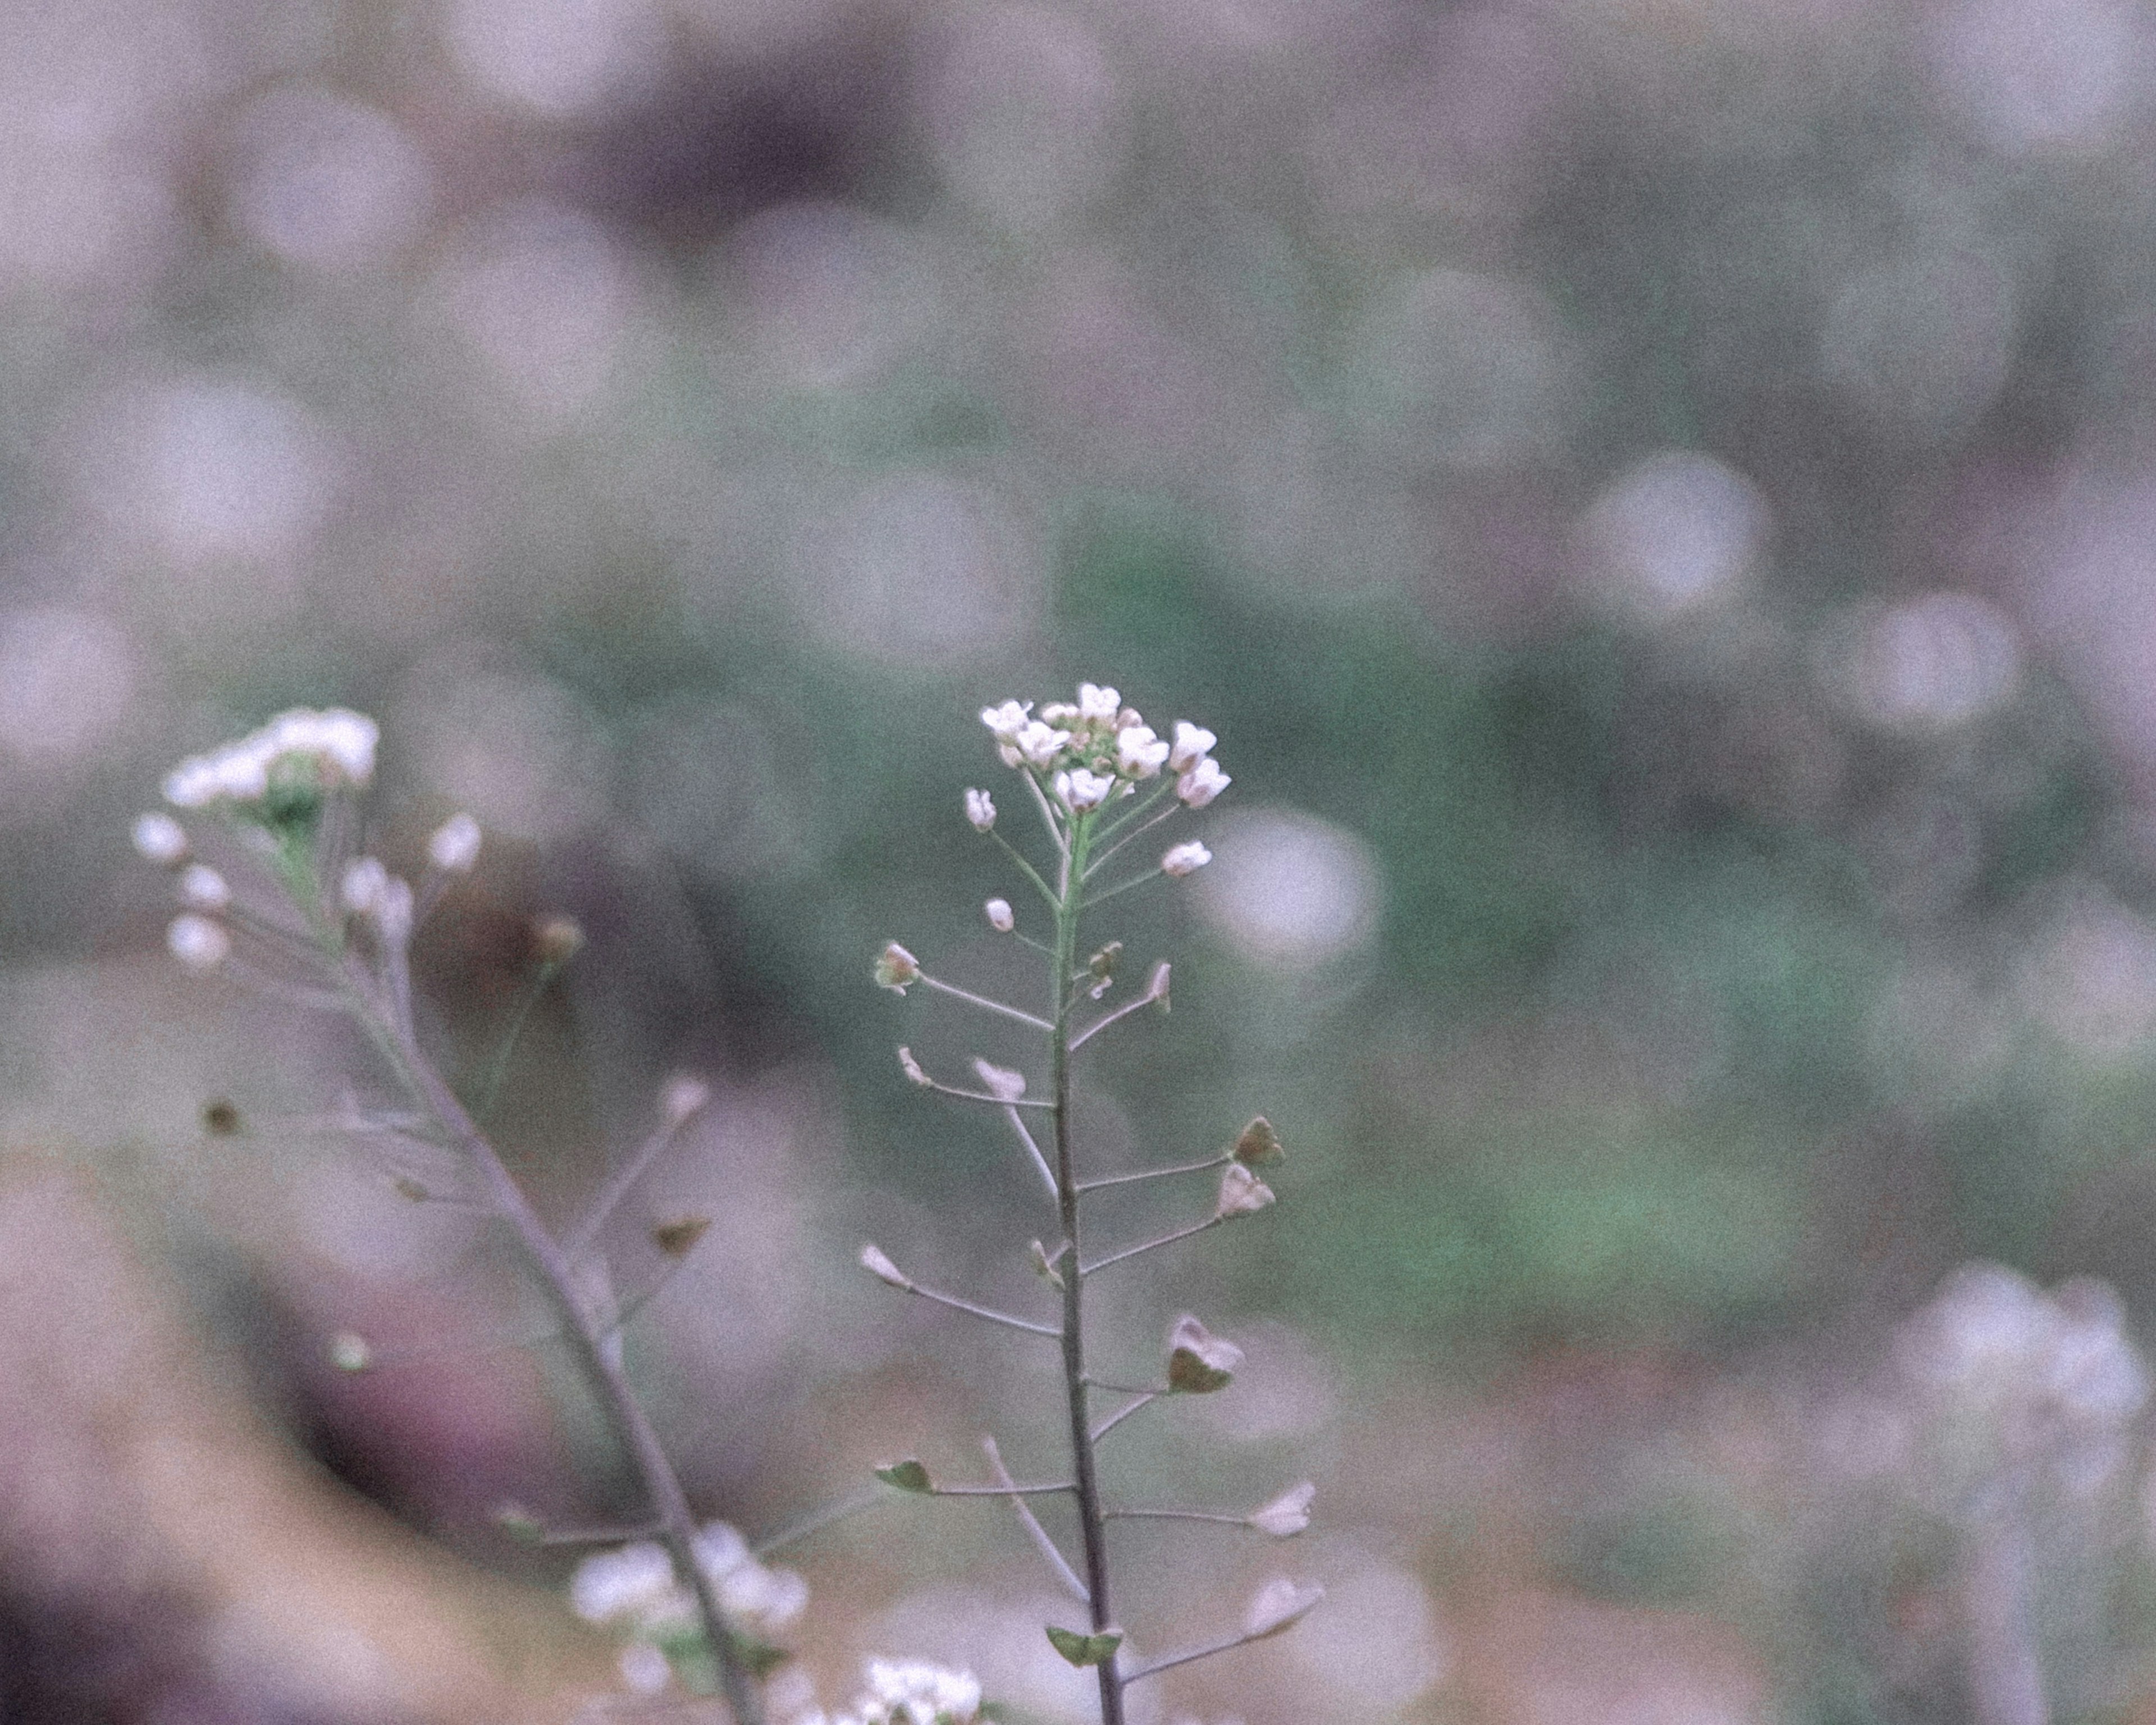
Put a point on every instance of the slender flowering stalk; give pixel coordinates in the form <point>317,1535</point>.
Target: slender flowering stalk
<point>339,929</point>
<point>1100,777</point>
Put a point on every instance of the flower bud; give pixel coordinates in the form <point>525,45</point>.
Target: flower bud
<point>882,1269</point>
<point>455,846</point>
<point>906,1476</point>
<point>1185,858</point>
<point>1001,917</point>
<point>1287,1514</point>
<point>198,943</point>
<point>160,838</point>
<point>981,810</point>
<point>557,939</point>
<point>1242,1193</point>
<point>1199,1361</point>
<point>201,888</point>
<point>896,969</point>
<point>911,1068</point>
<point>1044,1266</point>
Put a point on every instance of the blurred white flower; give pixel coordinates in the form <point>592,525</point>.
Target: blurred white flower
<point>980,810</point>
<point>1279,1605</point>
<point>360,891</point>
<point>198,942</point>
<point>201,888</point>
<point>1242,1193</point>
<point>913,1691</point>
<point>455,846</point>
<point>160,838</point>
<point>1000,1081</point>
<point>1184,858</point>
<point>1001,917</point>
<point>321,749</point>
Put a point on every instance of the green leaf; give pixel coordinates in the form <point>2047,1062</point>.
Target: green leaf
<point>1082,1650</point>
<point>906,1476</point>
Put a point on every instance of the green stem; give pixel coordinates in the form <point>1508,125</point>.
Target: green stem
<point>1091,1521</point>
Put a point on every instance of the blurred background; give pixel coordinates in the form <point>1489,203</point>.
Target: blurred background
<point>1657,498</point>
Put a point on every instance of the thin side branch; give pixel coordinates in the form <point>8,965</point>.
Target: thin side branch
<point>817,1520</point>
<point>1176,1515</point>
<point>984,1002</point>
<point>619,1186</point>
<point>1194,1655</point>
<point>1156,989</point>
<point>1033,1149</point>
<point>986,1312</point>
<point>1026,869</point>
<point>1047,1547</point>
<point>1150,1246</point>
<point>1156,1173</point>
<point>1122,1414</point>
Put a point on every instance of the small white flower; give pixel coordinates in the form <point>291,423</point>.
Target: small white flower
<point>1287,1514</point>
<point>1006,720</point>
<point>630,1582</point>
<point>1001,917</point>
<point>1193,743</point>
<point>455,846</point>
<point>1097,706</point>
<point>874,1260</point>
<point>913,1691</point>
<point>896,969</point>
<point>1202,783</point>
<point>345,740</point>
<point>198,942</point>
<point>160,838</point>
<point>1185,858</point>
<point>980,810</point>
<point>201,888</point>
<point>1060,712</point>
<point>1079,790</point>
<point>1039,744</point>
<point>1139,754</point>
<point>192,784</point>
<point>365,881</point>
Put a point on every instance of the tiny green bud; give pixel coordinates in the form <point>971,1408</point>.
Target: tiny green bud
<point>907,1476</point>
<point>1081,1650</point>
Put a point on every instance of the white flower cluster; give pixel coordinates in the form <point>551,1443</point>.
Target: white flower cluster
<point>1095,751</point>
<point>907,1692</point>
<point>2008,1374</point>
<point>320,750</point>
<point>633,1587</point>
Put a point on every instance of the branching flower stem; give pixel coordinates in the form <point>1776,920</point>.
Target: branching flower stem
<point>586,1332</point>
<point>1091,1521</point>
